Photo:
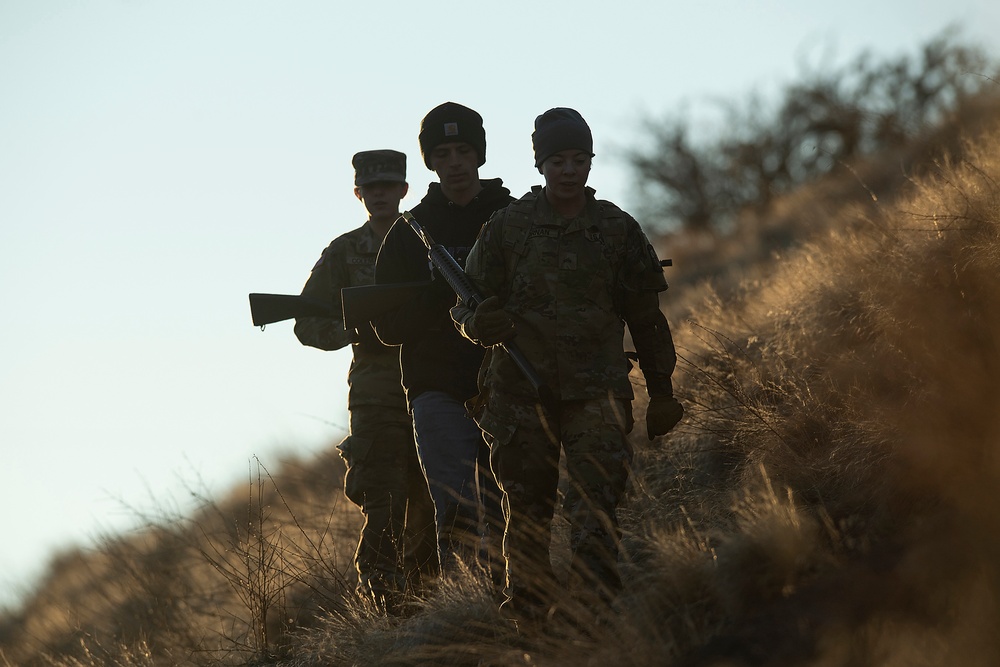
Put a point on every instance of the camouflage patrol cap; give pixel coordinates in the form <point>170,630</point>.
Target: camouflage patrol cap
<point>452,122</point>
<point>379,166</point>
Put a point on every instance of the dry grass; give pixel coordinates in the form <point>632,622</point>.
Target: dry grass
<point>224,586</point>
<point>835,471</point>
<point>828,500</point>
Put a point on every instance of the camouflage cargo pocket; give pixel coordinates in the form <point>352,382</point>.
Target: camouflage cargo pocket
<point>619,413</point>
<point>498,426</point>
<point>354,451</point>
<point>476,405</point>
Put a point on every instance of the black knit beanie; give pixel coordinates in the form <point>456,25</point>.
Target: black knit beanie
<point>560,129</point>
<point>452,122</point>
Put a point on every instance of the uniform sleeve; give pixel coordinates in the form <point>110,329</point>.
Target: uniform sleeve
<point>641,270</point>
<point>324,283</point>
<point>642,281</point>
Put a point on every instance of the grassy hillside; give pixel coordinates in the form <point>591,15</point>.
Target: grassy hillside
<point>834,485</point>
<point>828,500</point>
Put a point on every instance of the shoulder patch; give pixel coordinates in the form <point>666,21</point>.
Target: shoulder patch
<point>323,257</point>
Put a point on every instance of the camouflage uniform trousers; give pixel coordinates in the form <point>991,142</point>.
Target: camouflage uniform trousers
<point>525,444</point>
<point>397,550</point>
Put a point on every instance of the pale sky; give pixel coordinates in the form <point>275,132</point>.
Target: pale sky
<point>159,160</point>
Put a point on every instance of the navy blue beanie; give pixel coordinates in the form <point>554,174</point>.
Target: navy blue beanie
<point>560,129</point>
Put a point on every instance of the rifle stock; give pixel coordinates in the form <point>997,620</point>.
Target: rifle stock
<point>269,308</point>
<point>364,303</point>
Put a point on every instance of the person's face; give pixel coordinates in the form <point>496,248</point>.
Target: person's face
<point>457,166</point>
<point>566,174</point>
<point>381,198</point>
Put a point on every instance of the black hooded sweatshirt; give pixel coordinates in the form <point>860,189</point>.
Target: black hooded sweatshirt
<point>433,354</point>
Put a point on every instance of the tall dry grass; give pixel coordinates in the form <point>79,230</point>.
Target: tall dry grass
<point>224,585</point>
<point>828,500</point>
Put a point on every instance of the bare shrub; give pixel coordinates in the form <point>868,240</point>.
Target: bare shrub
<point>827,119</point>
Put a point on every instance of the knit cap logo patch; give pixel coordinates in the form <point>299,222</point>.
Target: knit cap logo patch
<point>451,129</point>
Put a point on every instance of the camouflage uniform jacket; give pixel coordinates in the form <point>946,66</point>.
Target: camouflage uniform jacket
<point>349,261</point>
<point>567,286</point>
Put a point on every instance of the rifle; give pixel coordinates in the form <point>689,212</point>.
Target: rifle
<point>363,303</point>
<point>456,277</point>
<point>269,308</point>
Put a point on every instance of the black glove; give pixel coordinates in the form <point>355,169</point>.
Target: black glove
<point>489,323</point>
<point>662,414</point>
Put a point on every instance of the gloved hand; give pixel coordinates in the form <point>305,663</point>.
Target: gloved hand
<point>489,323</point>
<point>662,414</point>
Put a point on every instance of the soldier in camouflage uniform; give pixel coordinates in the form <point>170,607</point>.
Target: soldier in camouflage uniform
<point>397,548</point>
<point>565,272</point>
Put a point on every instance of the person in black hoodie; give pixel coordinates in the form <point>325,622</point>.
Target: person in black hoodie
<point>439,366</point>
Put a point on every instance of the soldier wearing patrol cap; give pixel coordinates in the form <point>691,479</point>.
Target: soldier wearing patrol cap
<point>566,272</point>
<point>439,366</point>
<point>397,548</point>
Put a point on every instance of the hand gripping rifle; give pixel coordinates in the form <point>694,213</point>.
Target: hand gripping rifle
<point>456,277</point>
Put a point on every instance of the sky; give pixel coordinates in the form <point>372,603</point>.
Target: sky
<point>159,160</point>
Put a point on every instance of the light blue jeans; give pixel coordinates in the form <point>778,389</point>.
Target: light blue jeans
<point>455,459</point>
